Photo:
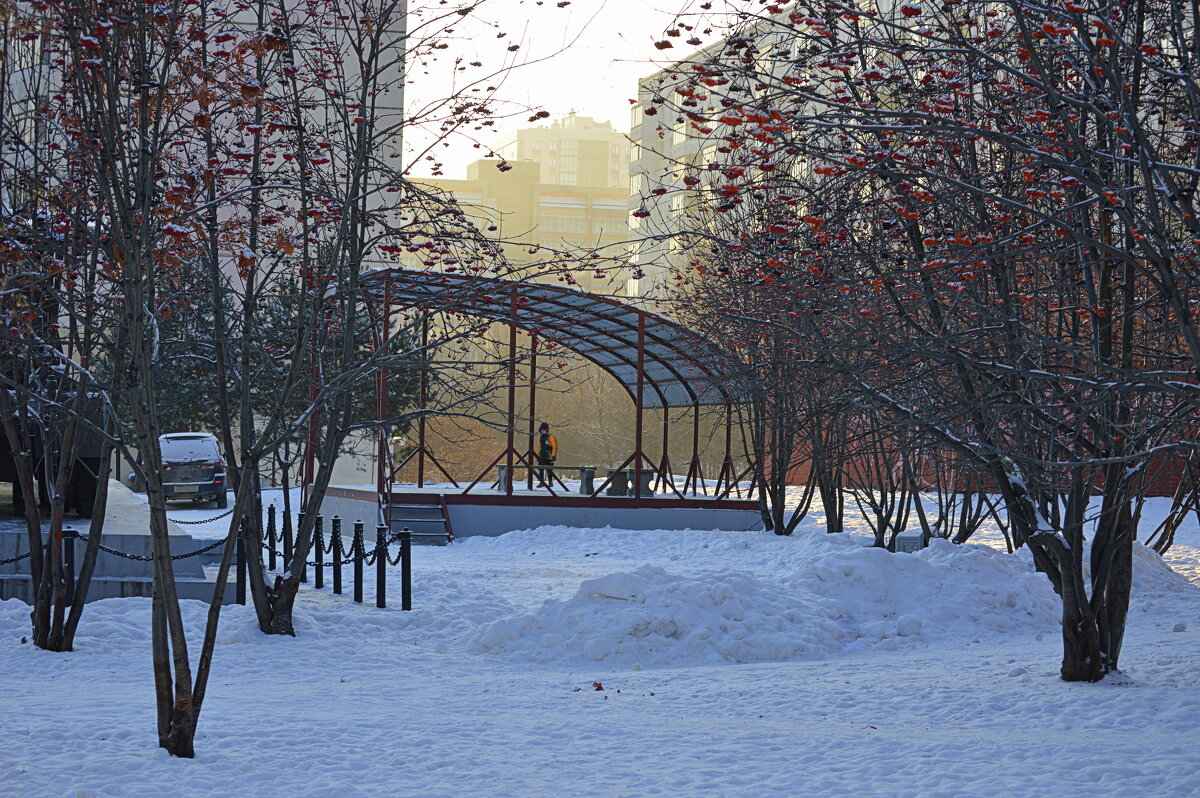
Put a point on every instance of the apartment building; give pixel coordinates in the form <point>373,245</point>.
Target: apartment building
<point>559,203</point>
<point>672,155</point>
<point>572,151</point>
<point>664,150</point>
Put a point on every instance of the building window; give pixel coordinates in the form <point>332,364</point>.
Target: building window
<point>610,225</point>
<point>535,145</point>
<point>561,201</point>
<point>562,224</point>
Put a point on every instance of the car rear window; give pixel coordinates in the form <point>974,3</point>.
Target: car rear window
<point>189,450</point>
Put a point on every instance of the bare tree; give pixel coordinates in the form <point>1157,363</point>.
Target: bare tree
<point>1005,193</point>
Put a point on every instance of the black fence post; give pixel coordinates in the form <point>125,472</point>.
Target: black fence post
<point>304,563</point>
<point>381,563</point>
<point>336,540</point>
<point>271,563</point>
<point>68,538</point>
<point>240,554</point>
<point>358,562</point>
<point>405,569</point>
<point>287,540</point>
<point>319,551</point>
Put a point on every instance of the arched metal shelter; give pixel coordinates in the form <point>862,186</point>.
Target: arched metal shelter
<point>659,362</point>
<point>679,367</point>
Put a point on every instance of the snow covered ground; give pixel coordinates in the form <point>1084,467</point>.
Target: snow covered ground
<point>569,662</point>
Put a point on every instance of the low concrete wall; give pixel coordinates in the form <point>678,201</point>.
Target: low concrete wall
<point>490,520</point>
<point>126,529</point>
<point>102,587</point>
<point>351,510</point>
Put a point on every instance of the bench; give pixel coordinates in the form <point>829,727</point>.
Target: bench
<point>587,475</point>
<point>619,479</point>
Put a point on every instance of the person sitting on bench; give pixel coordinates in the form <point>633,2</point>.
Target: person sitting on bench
<point>547,451</point>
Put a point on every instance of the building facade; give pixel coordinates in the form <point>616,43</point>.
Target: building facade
<point>572,151</point>
<point>557,200</point>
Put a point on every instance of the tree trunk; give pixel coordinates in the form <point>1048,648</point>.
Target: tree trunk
<point>172,669</point>
<point>88,565</point>
<point>287,586</point>
<point>829,485</point>
<point>1083,656</point>
<point>1113,581</point>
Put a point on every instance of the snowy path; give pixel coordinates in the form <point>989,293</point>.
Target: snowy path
<point>798,667</point>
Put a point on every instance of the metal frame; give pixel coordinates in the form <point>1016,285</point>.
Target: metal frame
<point>660,364</point>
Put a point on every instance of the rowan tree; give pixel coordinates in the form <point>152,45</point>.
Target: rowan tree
<point>257,146</point>
<point>1005,195</point>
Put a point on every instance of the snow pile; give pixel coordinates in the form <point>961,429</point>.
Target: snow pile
<point>649,616</point>
<point>1153,576</point>
<point>842,597</point>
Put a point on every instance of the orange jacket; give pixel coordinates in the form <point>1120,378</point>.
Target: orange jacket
<point>547,441</point>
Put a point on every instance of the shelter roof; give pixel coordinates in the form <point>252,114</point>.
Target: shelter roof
<point>681,368</point>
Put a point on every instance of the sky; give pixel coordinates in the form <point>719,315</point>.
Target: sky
<point>587,57</point>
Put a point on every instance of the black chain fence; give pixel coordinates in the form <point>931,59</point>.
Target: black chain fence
<point>356,555</point>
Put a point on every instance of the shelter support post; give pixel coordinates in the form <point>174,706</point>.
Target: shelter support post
<point>533,343</point>
<point>512,394</point>
<point>421,399</point>
<point>695,476</point>
<point>727,477</point>
<point>637,434</point>
<point>664,465</point>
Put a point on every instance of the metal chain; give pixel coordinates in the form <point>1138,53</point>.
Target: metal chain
<point>348,556</point>
<point>141,558</point>
<point>202,520</point>
<point>369,556</point>
<point>287,565</point>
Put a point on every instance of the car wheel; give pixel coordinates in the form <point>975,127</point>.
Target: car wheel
<point>222,500</point>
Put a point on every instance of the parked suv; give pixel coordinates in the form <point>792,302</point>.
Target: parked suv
<point>193,468</point>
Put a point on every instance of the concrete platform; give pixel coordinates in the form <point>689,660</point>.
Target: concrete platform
<point>491,513</point>
<point>126,529</point>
